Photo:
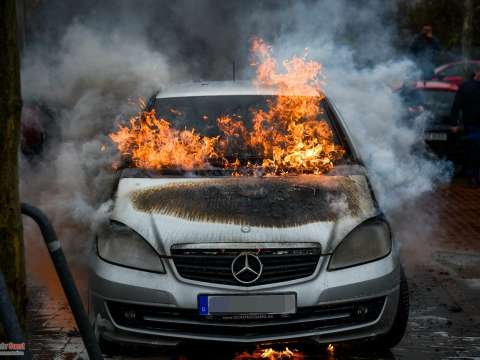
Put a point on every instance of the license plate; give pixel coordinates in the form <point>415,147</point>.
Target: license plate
<point>247,304</point>
<point>433,136</point>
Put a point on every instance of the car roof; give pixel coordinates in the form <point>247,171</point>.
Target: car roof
<point>216,88</point>
<point>436,86</point>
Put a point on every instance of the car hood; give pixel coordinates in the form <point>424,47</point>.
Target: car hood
<point>302,209</point>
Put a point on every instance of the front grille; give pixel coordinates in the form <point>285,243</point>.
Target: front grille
<point>214,266</point>
<point>188,322</point>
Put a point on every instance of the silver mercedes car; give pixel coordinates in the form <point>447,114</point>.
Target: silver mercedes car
<point>202,255</point>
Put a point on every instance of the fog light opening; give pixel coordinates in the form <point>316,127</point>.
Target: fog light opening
<point>362,312</point>
<point>130,314</point>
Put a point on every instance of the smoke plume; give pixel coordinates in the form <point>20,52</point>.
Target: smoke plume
<point>101,56</point>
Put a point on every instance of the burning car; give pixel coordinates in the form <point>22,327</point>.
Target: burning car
<point>244,214</point>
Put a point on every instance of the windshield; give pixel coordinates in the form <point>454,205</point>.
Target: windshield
<point>202,112</point>
<point>464,70</point>
<point>243,134</point>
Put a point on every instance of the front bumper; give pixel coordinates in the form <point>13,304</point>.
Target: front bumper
<point>131,306</point>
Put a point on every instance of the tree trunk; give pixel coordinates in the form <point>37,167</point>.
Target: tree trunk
<point>12,262</point>
<point>21,26</point>
<point>467,32</point>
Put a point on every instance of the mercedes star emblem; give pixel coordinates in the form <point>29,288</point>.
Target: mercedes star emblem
<point>247,268</point>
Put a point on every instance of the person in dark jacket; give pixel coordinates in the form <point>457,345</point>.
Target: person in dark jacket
<point>425,50</point>
<point>467,102</point>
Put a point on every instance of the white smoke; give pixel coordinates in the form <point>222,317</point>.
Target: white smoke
<point>92,75</point>
<point>90,80</point>
<point>354,43</point>
<point>391,149</point>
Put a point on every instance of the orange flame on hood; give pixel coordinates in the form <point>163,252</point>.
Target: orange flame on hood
<point>287,135</point>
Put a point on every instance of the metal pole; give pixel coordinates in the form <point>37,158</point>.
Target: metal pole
<point>66,279</point>
<point>9,320</point>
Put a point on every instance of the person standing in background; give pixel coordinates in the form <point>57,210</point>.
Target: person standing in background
<point>425,50</point>
<point>467,102</point>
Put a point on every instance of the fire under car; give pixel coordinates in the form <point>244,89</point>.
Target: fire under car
<point>211,253</point>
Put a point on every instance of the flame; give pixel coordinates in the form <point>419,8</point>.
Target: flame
<point>271,354</point>
<point>287,136</point>
<point>152,143</point>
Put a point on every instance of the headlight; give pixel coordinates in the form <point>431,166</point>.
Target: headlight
<point>368,242</point>
<point>122,246</point>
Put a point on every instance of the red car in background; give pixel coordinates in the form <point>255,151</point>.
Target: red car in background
<point>456,72</point>
<point>434,99</point>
